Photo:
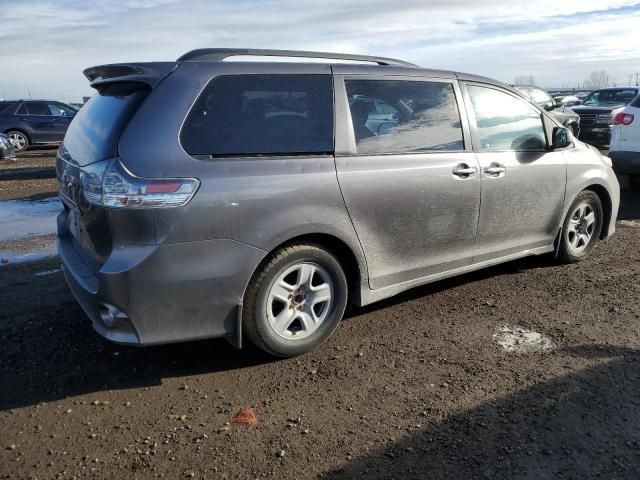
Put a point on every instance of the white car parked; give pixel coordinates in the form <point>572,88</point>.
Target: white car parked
<point>624,148</point>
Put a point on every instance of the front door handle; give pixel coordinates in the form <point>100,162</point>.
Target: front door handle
<point>463,170</point>
<point>494,170</point>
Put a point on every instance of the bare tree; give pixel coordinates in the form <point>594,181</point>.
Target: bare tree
<point>524,80</point>
<point>597,79</point>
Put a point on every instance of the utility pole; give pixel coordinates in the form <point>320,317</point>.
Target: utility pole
<point>637,75</point>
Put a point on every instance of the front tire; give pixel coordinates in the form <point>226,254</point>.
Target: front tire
<point>581,228</point>
<point>19,140</point>
<point>295,301</point>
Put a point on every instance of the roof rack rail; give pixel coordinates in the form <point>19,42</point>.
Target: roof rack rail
<point>219,54</point>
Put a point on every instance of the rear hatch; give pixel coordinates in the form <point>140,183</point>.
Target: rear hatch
<point>89,147</point>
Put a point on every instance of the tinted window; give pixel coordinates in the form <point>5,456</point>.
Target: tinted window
<point>7,107</point>
<point>419,116</point>
<point>37,108</point>
<point>22,110</point>
<point>636,102</point>
<point>505,122</point>
<point>261,114</point>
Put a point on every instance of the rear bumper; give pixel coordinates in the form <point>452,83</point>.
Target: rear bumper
<point>164,293</point>
<point>625,162</point>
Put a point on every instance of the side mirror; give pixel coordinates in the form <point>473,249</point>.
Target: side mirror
<point>550,106</point>
<point>560,138</point>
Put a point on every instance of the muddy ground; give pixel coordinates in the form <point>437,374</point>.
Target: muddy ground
<point>528,370</point>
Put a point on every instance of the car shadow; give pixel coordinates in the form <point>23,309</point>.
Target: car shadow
<point>578,426</point>
<point>57,354</point>
<point>70,359</point>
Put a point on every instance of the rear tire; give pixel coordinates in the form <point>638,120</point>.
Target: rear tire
<point>19,139</point>
<point>295,301</point>
<point>581,228</point>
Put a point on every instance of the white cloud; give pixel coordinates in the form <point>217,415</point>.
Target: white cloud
<point>47,44</point>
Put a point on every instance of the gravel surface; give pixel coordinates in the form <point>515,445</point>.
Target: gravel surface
<point>29,188</point>
<point>528,370</point>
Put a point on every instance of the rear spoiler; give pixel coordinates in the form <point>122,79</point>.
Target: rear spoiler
<point>150,73</point>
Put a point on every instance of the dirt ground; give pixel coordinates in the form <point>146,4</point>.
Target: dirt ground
<point>24,186</point>
<point>529,370</point>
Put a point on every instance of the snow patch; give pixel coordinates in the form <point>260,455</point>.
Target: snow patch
<point>520,340</point>
<point>48,272</point>
<point>27,218</point>
<point>629,223</point>
<point>11,257</point>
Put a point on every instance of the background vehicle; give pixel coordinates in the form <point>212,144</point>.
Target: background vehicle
<point>7,152</point>
<point>595,112</point>
<point>624,150</point>
<point>205,198</point>
<point>35,122</point>
<point>567,101</point>
<point>560,112</point>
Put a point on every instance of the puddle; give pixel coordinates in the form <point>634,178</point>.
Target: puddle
<point>26,218</point>
<point>520,340</point>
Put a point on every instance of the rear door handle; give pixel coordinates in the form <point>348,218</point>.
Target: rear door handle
<point>494,170</point>
<point>464,170</point>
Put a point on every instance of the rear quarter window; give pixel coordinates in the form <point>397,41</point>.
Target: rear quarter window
<point>261,115</point>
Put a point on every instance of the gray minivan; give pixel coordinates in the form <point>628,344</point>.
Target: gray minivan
<point>214,198</point>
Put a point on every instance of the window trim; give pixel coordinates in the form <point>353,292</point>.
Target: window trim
<point>253,156</point>
<point>475,135</point>
<point>345,141</point>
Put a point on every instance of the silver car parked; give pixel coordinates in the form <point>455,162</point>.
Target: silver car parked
<point>205,198</point>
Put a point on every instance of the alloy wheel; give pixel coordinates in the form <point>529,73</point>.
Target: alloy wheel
<point>18,140</point>
<point>300,300</point>
<point>581,227</point>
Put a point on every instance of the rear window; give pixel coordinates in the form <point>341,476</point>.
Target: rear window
<point>635,102</point>
<point>261,115</point>
<point>94,132</point>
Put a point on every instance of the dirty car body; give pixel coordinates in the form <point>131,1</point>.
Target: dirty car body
<point>170,260</point>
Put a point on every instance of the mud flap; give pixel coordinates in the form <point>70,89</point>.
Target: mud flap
<point>235,337</point>
<point>556,243</point>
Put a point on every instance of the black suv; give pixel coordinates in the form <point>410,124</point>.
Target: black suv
<point>595,112</point>
<point>35,122</point>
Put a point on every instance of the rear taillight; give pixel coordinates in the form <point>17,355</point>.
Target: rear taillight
<point>109,184</point>
<point>623,118</point>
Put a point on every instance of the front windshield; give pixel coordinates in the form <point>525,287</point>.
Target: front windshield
<point>610,97</point>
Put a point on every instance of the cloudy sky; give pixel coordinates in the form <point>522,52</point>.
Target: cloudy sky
<point>45,44</point>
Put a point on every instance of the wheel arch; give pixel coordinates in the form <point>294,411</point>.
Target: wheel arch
<point>607,206</point>
<point>354,269</point>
